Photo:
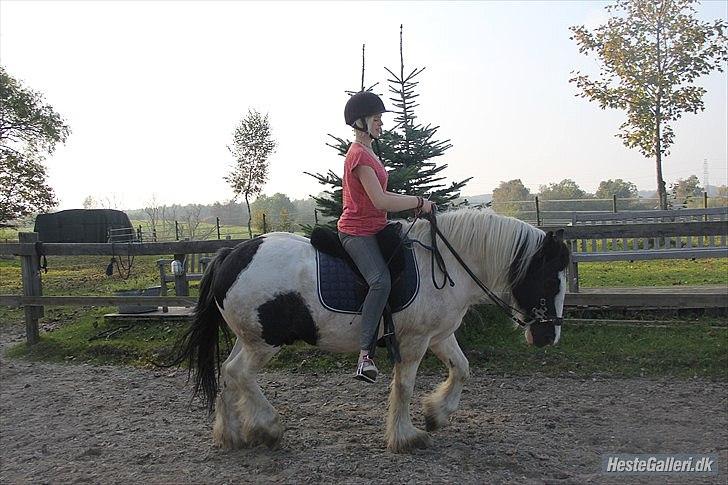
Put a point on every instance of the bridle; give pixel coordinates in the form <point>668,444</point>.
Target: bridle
<point>540,313</point>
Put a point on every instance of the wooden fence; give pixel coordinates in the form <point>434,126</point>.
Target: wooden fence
<point>30,250</point>
<point>583,239</point>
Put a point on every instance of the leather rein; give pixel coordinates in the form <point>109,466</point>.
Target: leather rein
<point>514,314</point>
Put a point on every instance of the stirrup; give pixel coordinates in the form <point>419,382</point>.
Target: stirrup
<point>366,371</point>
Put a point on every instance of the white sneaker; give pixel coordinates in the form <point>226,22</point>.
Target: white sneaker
<point>366,370</point>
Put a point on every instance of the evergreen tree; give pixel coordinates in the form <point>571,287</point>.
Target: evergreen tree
<point>408,151</point>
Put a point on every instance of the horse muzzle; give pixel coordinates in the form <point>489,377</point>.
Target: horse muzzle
<point>544,332</point>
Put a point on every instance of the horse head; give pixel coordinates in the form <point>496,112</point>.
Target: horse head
<point>539,294</point>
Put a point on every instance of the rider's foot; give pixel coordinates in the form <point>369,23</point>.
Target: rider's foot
<point>366,370</point>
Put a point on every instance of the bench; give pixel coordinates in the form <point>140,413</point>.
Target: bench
<point>644,235</point>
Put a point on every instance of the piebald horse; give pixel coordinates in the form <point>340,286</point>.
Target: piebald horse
<point>265,292</point>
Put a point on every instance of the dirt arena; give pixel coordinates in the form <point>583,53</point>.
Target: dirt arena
<point>81,423</point>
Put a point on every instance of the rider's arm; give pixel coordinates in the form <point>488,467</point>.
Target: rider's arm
<point>383,200</point>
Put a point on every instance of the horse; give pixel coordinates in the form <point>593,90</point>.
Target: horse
<point>264,291</point>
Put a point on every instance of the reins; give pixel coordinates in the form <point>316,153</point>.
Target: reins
<point>437,256</point>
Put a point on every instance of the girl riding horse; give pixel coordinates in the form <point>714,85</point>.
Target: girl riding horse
<point>366,203</point>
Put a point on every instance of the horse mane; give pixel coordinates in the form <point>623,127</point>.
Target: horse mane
<point>503,245</point>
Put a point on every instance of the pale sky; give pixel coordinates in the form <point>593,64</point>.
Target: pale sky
<point>152,92</point>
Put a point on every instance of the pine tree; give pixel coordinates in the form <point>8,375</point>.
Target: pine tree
<point>408,151</point>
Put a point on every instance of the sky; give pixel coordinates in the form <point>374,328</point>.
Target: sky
<point>153,91</point>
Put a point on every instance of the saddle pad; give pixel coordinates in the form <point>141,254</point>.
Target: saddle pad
<point>342,290</point>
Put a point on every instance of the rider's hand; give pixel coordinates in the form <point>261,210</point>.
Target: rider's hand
<point>427,206</point>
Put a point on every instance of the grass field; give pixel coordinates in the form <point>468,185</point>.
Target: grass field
<point>685,349</point>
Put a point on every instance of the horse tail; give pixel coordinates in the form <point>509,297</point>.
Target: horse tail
<point>199,345</point>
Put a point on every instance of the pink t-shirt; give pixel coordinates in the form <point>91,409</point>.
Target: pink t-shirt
<point>360,217</point>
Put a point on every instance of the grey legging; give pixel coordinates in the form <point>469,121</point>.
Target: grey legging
<point>364,250</point>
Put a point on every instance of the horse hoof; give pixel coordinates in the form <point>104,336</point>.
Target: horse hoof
<point>267,437</point>
<point>227,442</point>
<point>417,440</point>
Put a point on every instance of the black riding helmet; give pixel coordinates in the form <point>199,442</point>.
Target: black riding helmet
<point>361,105</point>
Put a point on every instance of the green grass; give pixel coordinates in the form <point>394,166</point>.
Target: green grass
<point>678,350</point>
<point>681,351</point>
<point>496,347</point>
<point>654,273</point>
<point>81,276</point>
<point>89,339</point>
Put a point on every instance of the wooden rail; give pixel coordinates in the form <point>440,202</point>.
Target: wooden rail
<point>647,216</point>
<point>30,249</point>
<point>588,242</point>
<point>645,241</point>
<point>39,301</point>
<point>652,298</point>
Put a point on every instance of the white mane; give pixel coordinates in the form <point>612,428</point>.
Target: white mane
<point>491,239</point>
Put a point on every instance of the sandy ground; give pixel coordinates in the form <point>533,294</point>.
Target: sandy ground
<point>89,424</point>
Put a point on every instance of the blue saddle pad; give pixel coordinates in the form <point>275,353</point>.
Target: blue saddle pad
<point>342,290</point>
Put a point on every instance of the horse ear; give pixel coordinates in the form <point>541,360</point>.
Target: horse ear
<point>560,235</point>
<point>549,234</point>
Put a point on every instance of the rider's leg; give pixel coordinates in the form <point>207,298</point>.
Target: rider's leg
<point>364,250</point>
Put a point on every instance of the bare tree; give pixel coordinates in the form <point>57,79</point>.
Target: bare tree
<point>193,220</point>
<point>112,201</point>
<point>252,145</point>
<point>154,213</point>
<point>90,203</point>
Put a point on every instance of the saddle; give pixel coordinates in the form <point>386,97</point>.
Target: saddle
<point>342,289</point>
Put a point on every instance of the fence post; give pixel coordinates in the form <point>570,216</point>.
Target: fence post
<point>30,268</point>
<point>181,287</point>
<point>217,223</point>
<point>265,229</point>
<point>614,203</point>
<point>176,231</point>
<point>139,233</point>
<point>705,203</point>
<point>538,213</point>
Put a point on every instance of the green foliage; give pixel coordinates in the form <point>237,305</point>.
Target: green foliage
<point>650,53</point>
<point>686,193</point>
<point>408,150</point>
<point>275,208</point>
<point>567,189</point>
<point>252,145</point>
<point>510,191</point>
<point>29,130</point>
<point>285,223</point>
<point>560,194</point>
<point>623,189</point>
